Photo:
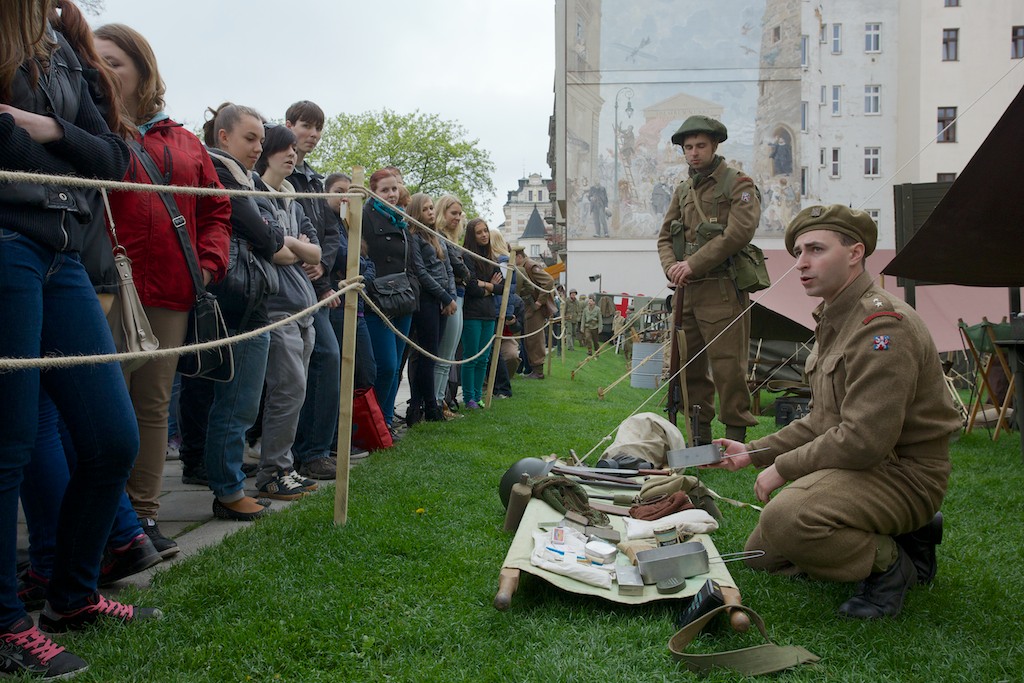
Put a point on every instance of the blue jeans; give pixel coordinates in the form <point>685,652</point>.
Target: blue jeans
<point>48,306</point>
<point>476,334</point>
<point>45,479</point>
<point>234,409</point>
<point>388,348</point>
<point>318,420</point>
<point>447,348</point>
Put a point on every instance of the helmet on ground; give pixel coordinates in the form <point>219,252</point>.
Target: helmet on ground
<point>535,467</point>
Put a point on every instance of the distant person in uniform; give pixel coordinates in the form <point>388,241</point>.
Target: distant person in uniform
<point>723,203</point>
<point>572,309</point>
<point>535,287</point>
<point>867,468</point>
<point>591,322</point>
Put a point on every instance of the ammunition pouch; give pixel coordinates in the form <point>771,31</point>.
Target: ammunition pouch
<point>749,270</point>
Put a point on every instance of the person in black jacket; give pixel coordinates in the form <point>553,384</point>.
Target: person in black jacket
<point>390,248</point>
<point>49,124</point>
<point>318,420</point>
<point>436,305</point>
<point>215,415</point>
<point>479,312</point>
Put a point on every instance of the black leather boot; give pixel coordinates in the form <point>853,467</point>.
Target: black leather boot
<point>920,546</point>
<point>882,593</point>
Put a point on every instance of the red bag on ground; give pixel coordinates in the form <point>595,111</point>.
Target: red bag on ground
<point>369,430</point>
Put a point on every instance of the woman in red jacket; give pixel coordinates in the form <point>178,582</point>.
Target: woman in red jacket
<point>161,275</point>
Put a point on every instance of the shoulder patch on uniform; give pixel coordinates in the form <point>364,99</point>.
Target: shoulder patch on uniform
<point>881,342</point>
<point>890,314</point>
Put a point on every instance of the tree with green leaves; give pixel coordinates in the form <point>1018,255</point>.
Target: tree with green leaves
<point>435,156</point>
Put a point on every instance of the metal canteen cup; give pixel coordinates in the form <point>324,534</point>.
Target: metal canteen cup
<point>682,561</point>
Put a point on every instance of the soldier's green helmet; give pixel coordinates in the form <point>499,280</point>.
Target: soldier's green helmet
<point>701,124</point>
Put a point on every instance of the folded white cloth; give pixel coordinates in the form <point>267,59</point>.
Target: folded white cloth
<point>562,560</point>
<point>695,521</point>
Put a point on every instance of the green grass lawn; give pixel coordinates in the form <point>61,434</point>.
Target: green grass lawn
<point>403,592</point>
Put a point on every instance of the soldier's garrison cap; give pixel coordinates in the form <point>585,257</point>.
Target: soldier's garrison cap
<point>838,218</point>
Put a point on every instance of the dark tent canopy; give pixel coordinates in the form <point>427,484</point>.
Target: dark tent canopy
<point>975,236</point>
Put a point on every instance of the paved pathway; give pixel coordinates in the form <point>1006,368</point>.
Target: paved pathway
<point>186,515</point>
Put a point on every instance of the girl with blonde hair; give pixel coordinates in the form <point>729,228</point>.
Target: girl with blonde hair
<point>450,222</point>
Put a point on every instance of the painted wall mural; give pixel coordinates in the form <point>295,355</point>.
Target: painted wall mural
<point>636,70</point>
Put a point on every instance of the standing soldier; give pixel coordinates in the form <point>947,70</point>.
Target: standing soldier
<point>712,216</point>
<point>591,323</point>
<point>572,308</point>
<point>535,287</point>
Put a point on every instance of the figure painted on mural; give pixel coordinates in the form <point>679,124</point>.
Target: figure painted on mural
<point>598,197</point>
<point>781,156</point>
<point>661,195</point>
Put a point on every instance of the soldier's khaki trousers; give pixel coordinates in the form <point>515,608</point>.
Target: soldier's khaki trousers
<point>709,306</point>
<point>827,523</point>
<point>535,344</point>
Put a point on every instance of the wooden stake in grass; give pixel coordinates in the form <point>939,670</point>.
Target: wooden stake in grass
<point>499,332</point>
<point>348,352</point>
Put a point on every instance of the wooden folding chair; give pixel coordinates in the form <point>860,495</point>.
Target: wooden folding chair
<point>980,342</point>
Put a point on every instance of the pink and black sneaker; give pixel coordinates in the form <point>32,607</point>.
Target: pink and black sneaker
<point>24,650</point>
<point>52,621</point>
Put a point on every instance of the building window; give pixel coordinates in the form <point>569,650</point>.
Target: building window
<point>776,34</point>
<point>837,100</point>
<point>821,157</point>
<point>947,124</point>
<point>803,117</point>
<point>874,213</point>
<point>823,33</point>
<point>872,99</point>
<point>534,250</point>
<point>804,49</point>
<point>1017,42</point>
<point>824,95</point>
<point>540,195</point>
<point>529,194</point>
<point>834,170</point>
<point>871,161</point>
<point>803,181</point>
<point>950,40</point>
<point>872,37</point>
<point>952,3</point>
<point>837,38</point>
<point>945,177</point>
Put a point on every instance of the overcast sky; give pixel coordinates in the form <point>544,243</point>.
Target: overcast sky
<point>487,64</point>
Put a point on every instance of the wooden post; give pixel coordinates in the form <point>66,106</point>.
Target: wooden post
<point>348,352</point>
<point>551,339</point>
<point>499,333</point>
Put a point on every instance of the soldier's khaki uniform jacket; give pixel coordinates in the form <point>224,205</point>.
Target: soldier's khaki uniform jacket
<point>592,319</point>
<point>572,310</point>
<point>739,213</point>
<point>534,279</point>
<point>878,397</point>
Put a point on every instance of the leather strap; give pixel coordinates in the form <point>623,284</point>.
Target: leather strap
<point>177,220</point>
<point>748,661</point>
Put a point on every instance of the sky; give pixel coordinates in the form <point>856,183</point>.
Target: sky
<point>486,64</point>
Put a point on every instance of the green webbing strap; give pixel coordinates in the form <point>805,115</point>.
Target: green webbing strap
<point>748,661</point>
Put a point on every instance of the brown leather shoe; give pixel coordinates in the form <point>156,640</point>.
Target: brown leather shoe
<point>535,375</point>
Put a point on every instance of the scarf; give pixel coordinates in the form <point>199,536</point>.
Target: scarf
<point>698,177</point>
<point>393,216</point>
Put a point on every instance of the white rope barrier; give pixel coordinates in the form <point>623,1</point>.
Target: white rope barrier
<point>50,362</point>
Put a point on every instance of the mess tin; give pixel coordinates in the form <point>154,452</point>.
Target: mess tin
<point>707,454</point>
<point>682,561</point>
